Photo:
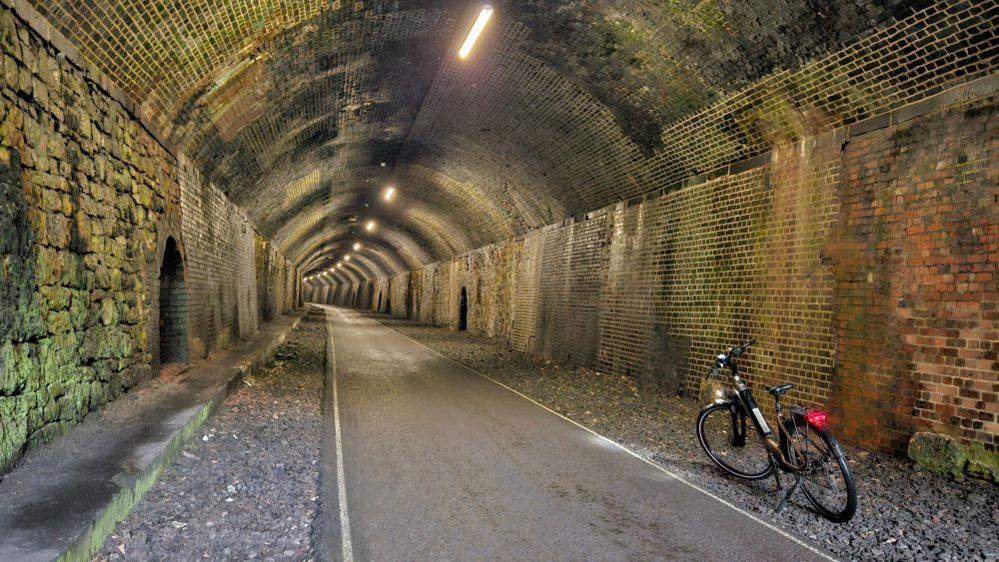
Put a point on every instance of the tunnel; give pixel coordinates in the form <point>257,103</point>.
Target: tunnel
<point>470,280</point>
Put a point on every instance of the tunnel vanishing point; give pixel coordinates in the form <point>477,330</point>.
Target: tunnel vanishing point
<point>625,186</point>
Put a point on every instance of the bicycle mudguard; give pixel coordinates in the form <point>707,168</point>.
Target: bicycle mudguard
<point>802,416</point>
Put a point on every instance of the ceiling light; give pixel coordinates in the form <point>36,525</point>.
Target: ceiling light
<point>346,257</point>
<point>473,35</point>
<point>390,194</point>
<point>370,227</point>
<point>357,246</point>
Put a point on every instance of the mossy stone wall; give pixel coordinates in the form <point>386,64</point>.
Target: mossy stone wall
<point>87,198</point>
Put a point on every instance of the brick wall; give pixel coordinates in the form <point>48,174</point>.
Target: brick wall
<point>220,265</point>
<point>863,260</point>
<point>916,253</point>
<point>88,199</point>
<point>277,281</point>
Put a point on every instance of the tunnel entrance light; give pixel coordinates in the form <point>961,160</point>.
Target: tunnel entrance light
<point>389,194</point>
<point>477,28</point>
<point>370,226</point>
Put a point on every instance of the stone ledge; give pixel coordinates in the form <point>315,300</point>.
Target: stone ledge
<point>65,498</point>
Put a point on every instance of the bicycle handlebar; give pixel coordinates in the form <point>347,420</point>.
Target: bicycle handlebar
<point>725,359</point>
<point>740,349</point>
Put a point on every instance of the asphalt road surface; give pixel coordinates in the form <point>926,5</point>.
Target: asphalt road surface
<point>428,460</point>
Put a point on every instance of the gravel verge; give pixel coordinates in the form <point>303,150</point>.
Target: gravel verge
<point>904,514</point>
<point>246,487</point>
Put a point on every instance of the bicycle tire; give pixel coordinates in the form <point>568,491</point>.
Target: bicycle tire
<point>834,463</point>
<point>718,457</point>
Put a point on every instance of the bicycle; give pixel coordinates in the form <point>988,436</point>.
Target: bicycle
<point>803,445</point>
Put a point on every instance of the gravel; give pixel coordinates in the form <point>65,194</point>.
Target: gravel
<point>246,486</point>
<point>904,514</point>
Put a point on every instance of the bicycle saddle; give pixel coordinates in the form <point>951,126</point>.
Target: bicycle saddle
<point>779,389</point>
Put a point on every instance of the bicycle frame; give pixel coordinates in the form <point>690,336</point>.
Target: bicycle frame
<point>778,444</point>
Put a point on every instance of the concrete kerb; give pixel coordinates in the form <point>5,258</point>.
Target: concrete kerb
<point>105,520</point>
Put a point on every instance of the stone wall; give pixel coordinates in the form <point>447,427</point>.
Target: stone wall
<point>864,260</point>
<point>88,200</point>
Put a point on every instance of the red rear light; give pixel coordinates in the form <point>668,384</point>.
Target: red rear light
<point>817,418</point>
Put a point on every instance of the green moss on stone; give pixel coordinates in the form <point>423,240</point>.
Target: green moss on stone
<point>19,367</point>
<point>13,430</point>
<point>59,322</point>
<point>109,313</point>
<point>940,454</point>
<point>982,463</point>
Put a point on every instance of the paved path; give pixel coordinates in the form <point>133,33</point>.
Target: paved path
<point>440,463</point>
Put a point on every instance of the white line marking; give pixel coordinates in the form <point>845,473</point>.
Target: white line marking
<point>657,466</point>
<point>341,478</point>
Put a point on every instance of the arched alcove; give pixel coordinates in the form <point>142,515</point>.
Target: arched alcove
<point>172,307</point>
<point>463,310</point>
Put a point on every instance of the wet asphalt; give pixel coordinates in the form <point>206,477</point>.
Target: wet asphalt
<point>441,463</point>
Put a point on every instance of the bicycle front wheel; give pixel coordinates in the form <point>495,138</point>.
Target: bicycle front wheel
<point>722,431</point>
<point>826,480</point>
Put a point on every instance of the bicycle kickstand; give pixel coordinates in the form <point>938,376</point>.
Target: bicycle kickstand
<point>787,496</point>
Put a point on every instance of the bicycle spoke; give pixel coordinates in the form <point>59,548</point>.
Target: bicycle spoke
<point>823,479</point>
<point>725,440</point>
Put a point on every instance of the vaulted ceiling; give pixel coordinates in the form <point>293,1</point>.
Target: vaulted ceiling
<point>302,111</point>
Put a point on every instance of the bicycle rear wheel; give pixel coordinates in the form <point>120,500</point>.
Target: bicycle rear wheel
<point>827,480</point>
<point>722,431</point>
